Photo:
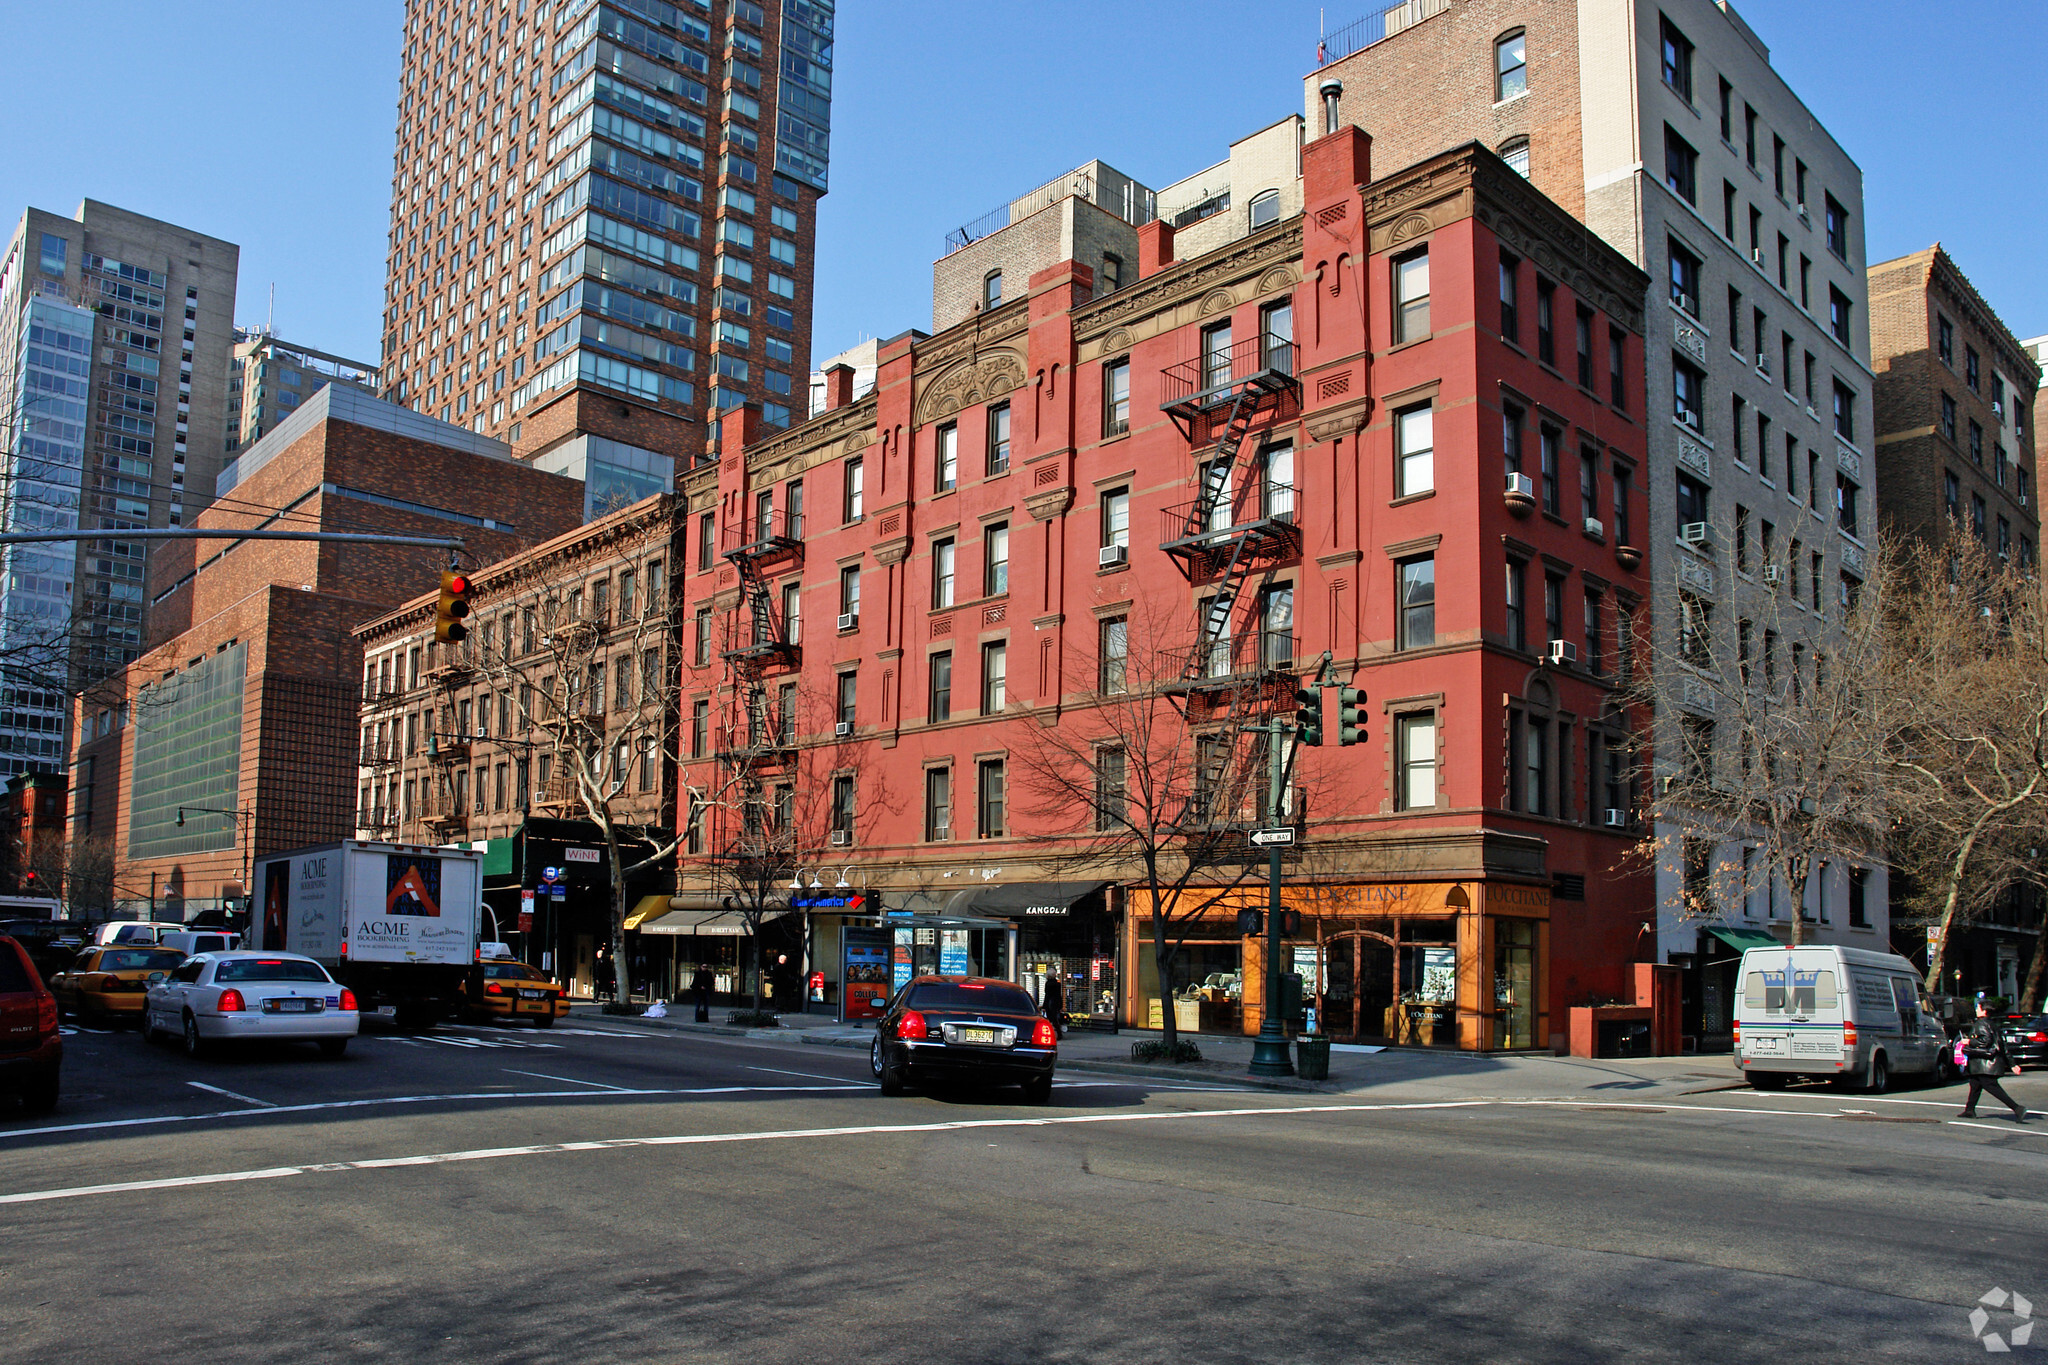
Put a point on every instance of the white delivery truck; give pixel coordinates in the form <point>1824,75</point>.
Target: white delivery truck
<point>396,923</point>
<point>1843,1014</point>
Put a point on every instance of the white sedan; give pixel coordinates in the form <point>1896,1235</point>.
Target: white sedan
<point>249,996</point>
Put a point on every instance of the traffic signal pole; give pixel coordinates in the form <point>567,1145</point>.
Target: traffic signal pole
<point>1269,1053</point>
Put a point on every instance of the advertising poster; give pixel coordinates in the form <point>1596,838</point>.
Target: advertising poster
<point>412,886</point>
<point>867,979</point>
<point>953,957</point>
<point>277,888</point>
<point>900,962</point>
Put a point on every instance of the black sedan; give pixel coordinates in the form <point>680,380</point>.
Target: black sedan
<point>2026,1038</point>
<point>969,1030</point>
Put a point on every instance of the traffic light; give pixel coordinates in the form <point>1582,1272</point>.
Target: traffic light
<point>1350,715</point>
<point>1308,715</point>
<point>1250,923</point>
<point>454,605</point>
<point>1290,923</point>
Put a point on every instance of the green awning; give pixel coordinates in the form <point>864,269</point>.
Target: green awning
<point>1740,939</point>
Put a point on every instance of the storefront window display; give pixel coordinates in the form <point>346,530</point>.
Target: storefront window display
<point>1208,995</point>
<point>1514,982</point>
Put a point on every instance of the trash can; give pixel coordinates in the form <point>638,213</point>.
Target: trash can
<point>1312,1057</point>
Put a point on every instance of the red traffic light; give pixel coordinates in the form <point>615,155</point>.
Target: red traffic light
<point>458,583</point>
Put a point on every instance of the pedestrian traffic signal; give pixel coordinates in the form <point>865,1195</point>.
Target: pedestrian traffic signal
<point>1308,715</point>
<point>1350,715</point>
<point>454,605</point>
<point>1250,923</point>
<point>1290,923</point>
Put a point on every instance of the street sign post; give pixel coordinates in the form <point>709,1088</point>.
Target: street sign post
<point>1272,838</point>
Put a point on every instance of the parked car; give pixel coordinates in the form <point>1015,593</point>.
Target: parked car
<point>509,990</point>
<point>971,1030</point>
<point>2026,1039</point>
<point>31,1050</point>
<point>109,983</point>
<point>250,997</point>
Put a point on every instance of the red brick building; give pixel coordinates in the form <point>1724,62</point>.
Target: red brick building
<point>1437,474</point>
<point>236,729</point>
<point>32,826</point>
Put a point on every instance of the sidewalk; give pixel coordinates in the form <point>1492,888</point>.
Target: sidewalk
<point>1418,1073</point>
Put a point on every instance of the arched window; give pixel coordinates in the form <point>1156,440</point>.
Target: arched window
<point>1515,151</point>
<point>992,289</point>
<point>1510,66</point>
<point>1265,208</point>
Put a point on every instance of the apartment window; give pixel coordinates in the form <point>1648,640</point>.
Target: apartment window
<point>995,675</point>
<point>1510,318</point>
<point>1553,607</point>
<point>1546,330</point>
<point>849,592</point>
<point>938,804</point>
<point>1970,370</point>
<point>1728,210</point>
<point>1547,442</point>
<point>1265,209</point>
<point>707,535</point>
<point>1734,319</point>
<point>1845,503</point>
<point>1814,563</point>
<point>1112,277</point>
<point>1681,166</point>
<point>2004,541</point>
<point>1276,470</point>
<point>1977,515</point>
<point>1692,500</point>
<point>1976,442</point>
<point>1411,297</point>
<point>1589,484</point>
<point>1695,629</point>
<point>1727,112</point>
<point>1617,369</point>
<point>792,614</point>
<point>1738,425</point>
<point>1741,538</point>
<point>992,289</point>
<point>990,792</point>
<point>1585,340</point>
<point>1859,889</point>
<point>1838,314</point>
<point>1596,661</point>
<point>1837,228</point>
<point>1414,458</point>
<point>842,807</point>
<point>942,686</point>
<point>1112,801</point>
<point>1113,653</point>
<point>1799,184</point>
<point>1688,394</point>
<point>694,831</point>
<point>1116,398</point>
<point>999,439</point>
<point>995,577</point>
<point>1945,340</point>
<point>1805,282</point>
<point>1276,337</point>
<point>793,509</point>
<point>1517,612</point>
<point>1276,627</point>
<point>1116,518</point>
<point>1216,356</point>
<point>702,640</point>
<point>1515,151</point>
<point>1845,412</point>
<point>946,462</point>
<point>1417,580</point>
<point>942,573</point>
<point>846,698</point>
<point>1749,135</point>
<point>1510,66</point>
<point>1677,53</point>
<point>1685,277</point>
<point>1536,766</point>
<point>1415,774</point>
<point>1778,164</point>
<point>1511,437</point>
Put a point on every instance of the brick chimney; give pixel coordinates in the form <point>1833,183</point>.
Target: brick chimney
<point>1155,247</point>
<point>838,387</point>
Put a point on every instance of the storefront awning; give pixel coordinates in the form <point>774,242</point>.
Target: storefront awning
<point>1022,900</point>
<point>705,920</point>
<point>1740,939</point>
<point>647,908</point>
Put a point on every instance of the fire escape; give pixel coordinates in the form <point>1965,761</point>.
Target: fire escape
<point>761,637</point>
<point>1228,542</point>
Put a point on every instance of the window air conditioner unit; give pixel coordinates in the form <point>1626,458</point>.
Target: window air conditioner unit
<point>1774,573</point>
<point>1521,485</point>
<point>841,838</point>
<point>1616,819</point>
<point>1595,528</point>
<point>479,808</point>
<point>848,620</point>
<point>540,796</point>
<point>1563,652</point>
<point>1696,533</point>
<point>1805,217</point>
<point>843,729</point>
<point>1756,254</point>
<point>1111,555</point>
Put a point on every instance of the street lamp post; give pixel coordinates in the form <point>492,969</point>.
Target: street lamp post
<point>243,833</point>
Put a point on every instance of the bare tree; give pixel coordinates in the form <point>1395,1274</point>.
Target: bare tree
<point>1773,733</point>
<point>592,683</point>
<point>89,877</point>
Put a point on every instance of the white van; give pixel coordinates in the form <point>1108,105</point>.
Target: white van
<point>1843,1014</point>
<point>130,933</point>
<point>192,942</point>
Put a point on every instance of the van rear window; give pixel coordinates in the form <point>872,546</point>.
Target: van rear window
<point>1789,990</point>
<point>268,969</point>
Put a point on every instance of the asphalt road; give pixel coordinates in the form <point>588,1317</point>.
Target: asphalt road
<point>601,1193</point>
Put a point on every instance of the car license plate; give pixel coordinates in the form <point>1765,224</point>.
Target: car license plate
<point>977,1035</point>
<point>288,1006</point>
<point>1764,1047</point>
<point>532,995</point>
<point>534,1006</point>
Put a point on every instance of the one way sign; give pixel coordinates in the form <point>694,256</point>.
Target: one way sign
<point>1271,838</point>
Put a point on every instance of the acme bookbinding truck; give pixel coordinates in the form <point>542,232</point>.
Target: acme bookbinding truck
<point>396,923</point>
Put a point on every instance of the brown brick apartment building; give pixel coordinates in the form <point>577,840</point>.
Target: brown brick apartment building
<point>242,713</point>
<point>1955,404</point>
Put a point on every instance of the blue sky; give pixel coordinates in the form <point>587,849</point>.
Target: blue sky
<point>271,125</point>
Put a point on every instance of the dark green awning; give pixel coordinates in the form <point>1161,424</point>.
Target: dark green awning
<point>1740,939</point>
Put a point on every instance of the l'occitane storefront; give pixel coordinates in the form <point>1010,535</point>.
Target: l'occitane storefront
<point>1421,964</point>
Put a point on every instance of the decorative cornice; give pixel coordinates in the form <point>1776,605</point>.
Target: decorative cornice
<point>1185,280</point>
<point>1047,505</point>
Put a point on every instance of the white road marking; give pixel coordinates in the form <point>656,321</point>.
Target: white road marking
<point>572,1080</point>
<point>702,1139</point>
<point>809,1075</point>
<point>157,1120</point>
<point>246,1099</point>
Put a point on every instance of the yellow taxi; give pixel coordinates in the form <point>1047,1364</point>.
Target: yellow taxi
<point>108,982</point>
<point>506,990</point>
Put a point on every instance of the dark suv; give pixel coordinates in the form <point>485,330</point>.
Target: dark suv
<point>965,1029</point>
<point>30,1050</point>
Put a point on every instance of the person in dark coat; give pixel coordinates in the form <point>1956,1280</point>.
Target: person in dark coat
<point>1055,1005</point>
<point>700,988</point>
<point>1984,1046</point>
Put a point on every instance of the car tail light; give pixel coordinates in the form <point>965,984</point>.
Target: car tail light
<point>1848,1035</point>
<point>230,1002</point>
<point>2039,1037</point>
<point>1738,1035</point>
<point>911,1025</point>
<point>348,999</point>
<point>1043,1034</point>
<point>46,1013</point>
<point>493,988</point>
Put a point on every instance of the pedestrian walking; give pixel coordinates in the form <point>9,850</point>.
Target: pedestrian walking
<point>700,988</point>
<point>1984,1046</point>
<point>1055,1004</point>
